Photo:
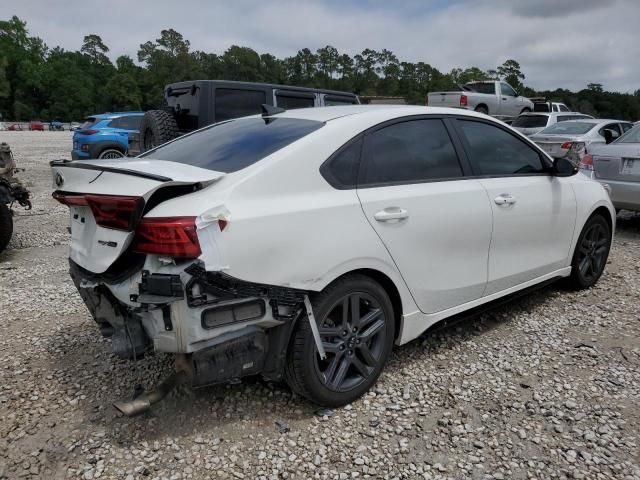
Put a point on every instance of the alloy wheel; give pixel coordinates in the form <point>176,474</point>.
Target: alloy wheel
<point>592,252</point>
<point>353,335</point>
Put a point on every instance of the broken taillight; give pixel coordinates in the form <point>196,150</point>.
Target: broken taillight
<point>171,236</point>
<point>109,211</point>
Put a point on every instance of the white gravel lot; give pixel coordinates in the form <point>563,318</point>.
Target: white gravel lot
<point>547,387</point>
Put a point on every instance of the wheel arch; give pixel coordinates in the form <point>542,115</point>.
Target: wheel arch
<point>482,105</point>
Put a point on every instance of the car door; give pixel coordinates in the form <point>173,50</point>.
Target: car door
<point>435,222</point>
<point>510,104</point>
<point>533,211</point>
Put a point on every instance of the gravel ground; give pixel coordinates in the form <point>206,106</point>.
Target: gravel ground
<point>546,387</point>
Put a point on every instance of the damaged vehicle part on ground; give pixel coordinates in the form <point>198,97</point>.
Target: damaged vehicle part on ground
<point>301,245</point>
<point>11,190</point>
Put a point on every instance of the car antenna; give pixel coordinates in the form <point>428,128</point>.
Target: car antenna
<point>268,110</point>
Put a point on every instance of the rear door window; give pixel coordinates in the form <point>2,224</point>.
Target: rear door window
<point>564,108</point>
<point>236,144</point>
<point>414,151</point>
<point>293,100</point>
<point>234,103</point>
<point>495,152</point>
<point>626,126</point>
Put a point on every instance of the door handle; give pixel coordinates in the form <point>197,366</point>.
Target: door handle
<point>391,214</point>
<point>505,199</point>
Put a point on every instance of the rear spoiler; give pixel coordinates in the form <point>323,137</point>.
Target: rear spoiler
<point>87,166</point>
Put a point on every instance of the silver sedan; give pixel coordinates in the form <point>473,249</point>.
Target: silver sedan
<point>618,166</point>
<point>573,139</point>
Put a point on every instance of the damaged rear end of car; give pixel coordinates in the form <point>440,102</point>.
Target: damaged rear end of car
<point>155,281</point>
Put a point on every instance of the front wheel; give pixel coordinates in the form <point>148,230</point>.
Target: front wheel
<point>6,226</point>
<point>591,253</point>
<point>356,325</point>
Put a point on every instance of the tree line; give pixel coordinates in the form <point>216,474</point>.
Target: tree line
<point>52,83</point>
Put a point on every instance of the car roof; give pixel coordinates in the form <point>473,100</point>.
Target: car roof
<point>596,120</point>
<point>555,114</point>
<point>257,85</point>
<point>326,114</point>
<point>115,114</point>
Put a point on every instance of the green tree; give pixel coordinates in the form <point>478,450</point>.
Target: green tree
<point>95,49</point>
<point>511,73</point>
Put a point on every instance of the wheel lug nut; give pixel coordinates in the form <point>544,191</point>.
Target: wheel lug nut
<point>341,347</point>
<point>350,352</point>
<point>358,340</point>
<point>354,330</point>
<point>344,333</point>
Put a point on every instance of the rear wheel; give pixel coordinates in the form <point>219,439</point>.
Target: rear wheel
<point>525,110</point>
<point>110,153</point>
<point>6,226</point>
<point>356,325</point>
<point>157,127</point>
<point>482,109</point>
<point>591,253</point>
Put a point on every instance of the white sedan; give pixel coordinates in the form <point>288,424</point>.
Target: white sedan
<point>301,245</point>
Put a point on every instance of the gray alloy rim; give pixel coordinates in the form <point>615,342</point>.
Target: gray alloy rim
<point>592,252</point>
<point>111,154</point>
<point>353,335</point>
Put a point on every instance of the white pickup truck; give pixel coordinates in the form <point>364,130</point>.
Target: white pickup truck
<point>495,98</point>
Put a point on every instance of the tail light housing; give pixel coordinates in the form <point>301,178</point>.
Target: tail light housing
<point>566,145</point>
<point>586,163</point>
<point>170,236</point>
<point>464,100</point>
<point>109,211</point>
<point>87,132</point>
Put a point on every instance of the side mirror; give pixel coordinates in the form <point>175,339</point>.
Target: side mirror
<point>563,168</point>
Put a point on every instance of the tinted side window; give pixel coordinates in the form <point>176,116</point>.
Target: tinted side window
<point>496,152</point>
<point>564,108</point>
<point>341,170</point>
<point>412,151</point>
<point>627,126</point>
<point>126,123</point>
<point>290,102</point>
<point>231,103</point>
<point>615,131</point>
<point>488,87</point>
<point>331,100</point>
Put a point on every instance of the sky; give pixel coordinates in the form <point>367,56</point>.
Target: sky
<point>558,43</point>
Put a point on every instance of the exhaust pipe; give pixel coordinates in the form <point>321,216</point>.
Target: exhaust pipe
<point>142,403</point>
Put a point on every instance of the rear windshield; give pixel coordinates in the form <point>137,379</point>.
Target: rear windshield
<point>631,136</point>
<point>88,122</point>
<point>568,128</point>
<point>540,107</point>
<point>530,121</point>
<point>482,87</point>
<point>231,146</point>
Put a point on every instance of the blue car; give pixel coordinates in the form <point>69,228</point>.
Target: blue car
<point>105,135</point>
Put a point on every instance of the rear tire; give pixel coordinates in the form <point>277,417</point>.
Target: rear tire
<point>6,226</point>
<point>482,109</point>
<point>110,153</point>
<point>591,253</point>
<point>356,324</point>
<point>525,110</point>
<point>157,127</point>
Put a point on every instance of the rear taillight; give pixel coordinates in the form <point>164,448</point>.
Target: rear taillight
<point>109,211</point>
<point>586,163</point>
<point>464,101</point>
<point>171,236</point>
<point>87,132</point>
<point>566,145</point>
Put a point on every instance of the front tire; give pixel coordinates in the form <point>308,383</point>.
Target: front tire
<point>356,324</point>
<point>6,226</point>
<point>591,253</point>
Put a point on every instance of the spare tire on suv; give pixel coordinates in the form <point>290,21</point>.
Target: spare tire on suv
<point>157,127</point>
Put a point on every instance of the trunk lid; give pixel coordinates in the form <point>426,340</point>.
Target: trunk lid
<point>552,144</point>
<point>114,183</point>
<point>617,162</point>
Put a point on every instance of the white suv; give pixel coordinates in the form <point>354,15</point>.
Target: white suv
<point>303,244</point>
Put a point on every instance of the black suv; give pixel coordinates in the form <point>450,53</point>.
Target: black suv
<point>196,104</point>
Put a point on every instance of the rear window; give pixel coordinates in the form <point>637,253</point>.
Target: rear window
<point>88,122</point>
<point>231,103</point>
<point>335,100</point>
<point>541,107</point>
<point>482,87</point>
<point>530,121</point>
<point>568,128</point>
<point>234,145</point>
